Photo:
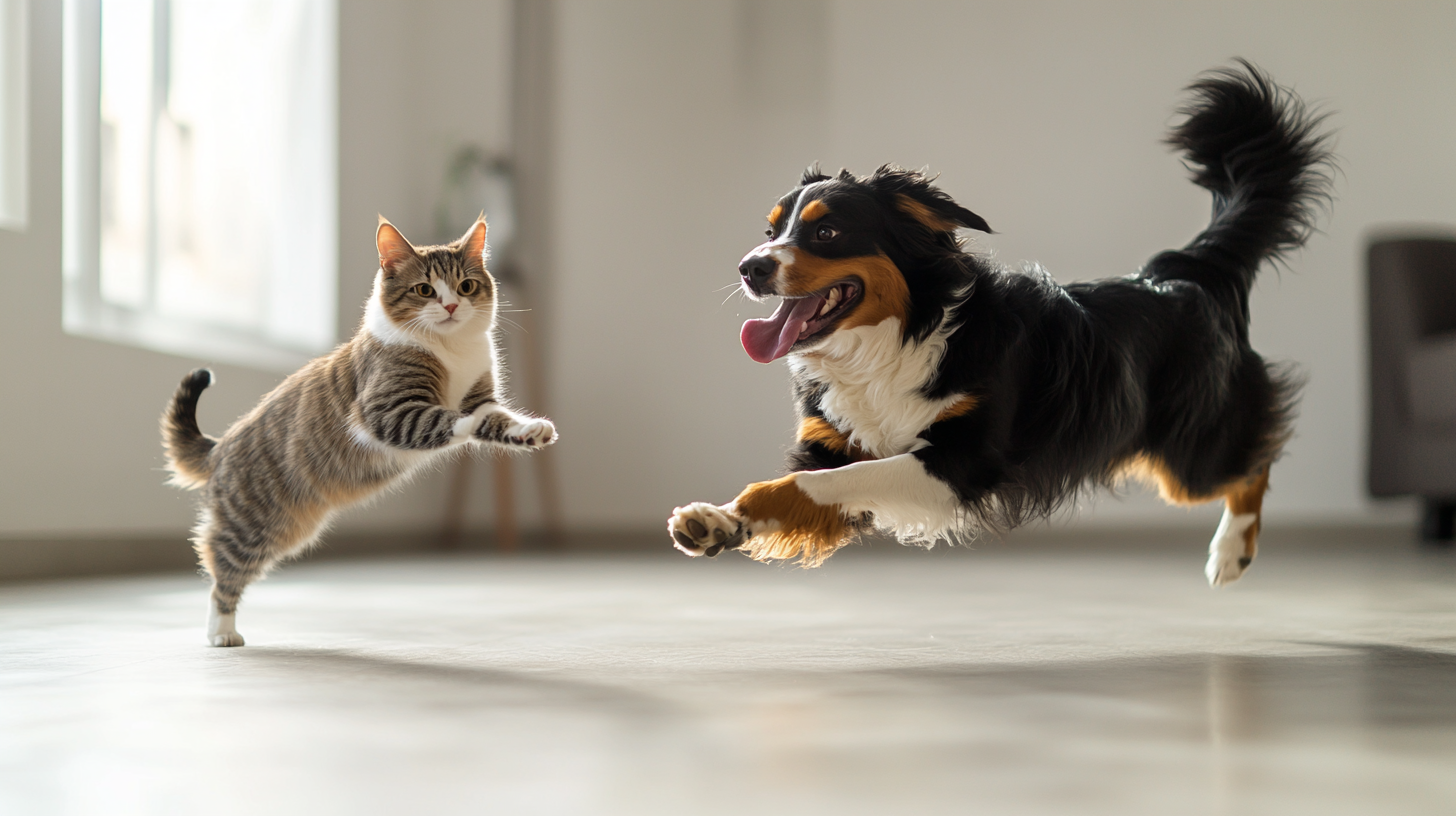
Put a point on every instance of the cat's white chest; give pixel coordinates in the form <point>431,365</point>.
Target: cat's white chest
<point>466,357</point>
<point>466,360</point>
<point>873,386</point>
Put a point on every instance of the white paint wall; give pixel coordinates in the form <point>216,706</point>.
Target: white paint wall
<point>680,123</point>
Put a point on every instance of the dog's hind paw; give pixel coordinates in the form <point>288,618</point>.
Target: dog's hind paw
<point>705,529</point>
<point>1230,553</point>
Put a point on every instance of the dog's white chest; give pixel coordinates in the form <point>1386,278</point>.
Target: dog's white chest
<point>873,386</point>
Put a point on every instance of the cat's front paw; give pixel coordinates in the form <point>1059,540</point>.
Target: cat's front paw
<point>506,428</point>
<point>705,529</point>
<point>530,433</point>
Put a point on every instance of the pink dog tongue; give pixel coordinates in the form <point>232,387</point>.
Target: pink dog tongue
<point>768,339</point>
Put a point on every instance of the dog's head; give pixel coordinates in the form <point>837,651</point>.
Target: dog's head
<point>852,251</point>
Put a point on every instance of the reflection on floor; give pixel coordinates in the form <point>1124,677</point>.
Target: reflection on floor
<point>1002,680</point>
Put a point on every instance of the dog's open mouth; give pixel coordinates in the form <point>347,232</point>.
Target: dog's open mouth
<point>798,319</point>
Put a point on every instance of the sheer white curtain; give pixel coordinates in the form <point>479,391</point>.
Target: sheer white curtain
<point>215,182</point>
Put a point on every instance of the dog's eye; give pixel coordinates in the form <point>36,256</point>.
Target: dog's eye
<point>424,290</point>
<point>825,233</point>
<point>469,287</point>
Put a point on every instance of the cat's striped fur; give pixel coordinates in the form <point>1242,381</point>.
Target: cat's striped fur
<point>418,379</point>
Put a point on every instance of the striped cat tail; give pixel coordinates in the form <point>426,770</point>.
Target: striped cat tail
<point>186,446</point>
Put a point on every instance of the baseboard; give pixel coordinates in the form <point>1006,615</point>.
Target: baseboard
<point>1274,534</point>
<point>24,559</point>
<point>50,558</point>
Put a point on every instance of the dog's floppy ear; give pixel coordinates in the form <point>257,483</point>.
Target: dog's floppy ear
<point>916,195</point>
<point>941,216</point>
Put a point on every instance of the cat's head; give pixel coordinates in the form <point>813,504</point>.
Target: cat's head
<point>435,290</point>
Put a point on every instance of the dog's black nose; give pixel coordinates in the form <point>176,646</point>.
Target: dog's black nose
<point>757,269</point>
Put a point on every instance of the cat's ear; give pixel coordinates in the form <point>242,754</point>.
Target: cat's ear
<point>472,245</point>
<point>394,250</point>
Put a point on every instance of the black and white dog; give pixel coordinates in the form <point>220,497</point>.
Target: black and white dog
<point>939,393</point>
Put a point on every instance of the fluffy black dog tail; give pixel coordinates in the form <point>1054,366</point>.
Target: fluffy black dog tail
<point>1259,150</point>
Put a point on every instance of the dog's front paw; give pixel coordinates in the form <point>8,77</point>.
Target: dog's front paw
<point>705,529</point>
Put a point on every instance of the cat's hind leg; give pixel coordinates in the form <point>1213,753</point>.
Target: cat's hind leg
<point>237,549</point>
<point>232,565</point>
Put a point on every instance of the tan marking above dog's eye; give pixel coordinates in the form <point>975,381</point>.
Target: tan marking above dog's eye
<point>773,216</point>
<point>814,210</point>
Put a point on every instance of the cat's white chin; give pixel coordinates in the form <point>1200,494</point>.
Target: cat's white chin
<point>450,326</point>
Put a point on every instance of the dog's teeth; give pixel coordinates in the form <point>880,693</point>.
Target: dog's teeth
<point>829,302</point>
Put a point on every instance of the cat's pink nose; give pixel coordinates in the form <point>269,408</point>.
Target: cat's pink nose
<point>450,307</point>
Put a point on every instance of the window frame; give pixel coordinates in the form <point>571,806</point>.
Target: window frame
<point>14,114</point>
<point>85,311</point>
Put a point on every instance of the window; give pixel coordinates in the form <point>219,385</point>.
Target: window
<point>13,64</point>
<point>200,176</point>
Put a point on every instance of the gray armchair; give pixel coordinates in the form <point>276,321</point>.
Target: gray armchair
<point>1412,302</point>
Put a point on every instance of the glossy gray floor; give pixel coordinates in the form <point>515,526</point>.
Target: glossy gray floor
<point>1003,680</point>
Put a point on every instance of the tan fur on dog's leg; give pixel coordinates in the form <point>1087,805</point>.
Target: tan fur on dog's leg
<point>769,520</point>
<point>785,522</point>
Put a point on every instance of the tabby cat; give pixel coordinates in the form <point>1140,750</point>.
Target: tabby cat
<point>417,379</point>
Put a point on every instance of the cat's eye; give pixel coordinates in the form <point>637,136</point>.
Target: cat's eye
<point>469,287</point>
<point>826,233</point>
<point>424,290</point>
